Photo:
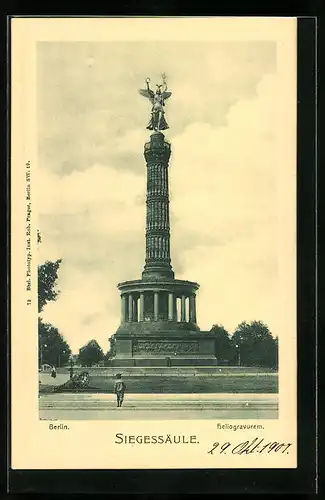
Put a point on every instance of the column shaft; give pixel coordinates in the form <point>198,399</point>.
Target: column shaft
<point>135,309</point>
<point>123,308</point>
<point>183,308</point>
<point>141,306</point>
<point>130,307</point>
<point>156,306</point>
<point>170,306</point>
<point>192,309</point>
<point>175,309</point>
<point>157,263</point>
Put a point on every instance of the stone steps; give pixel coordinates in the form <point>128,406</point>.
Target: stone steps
<point>172,372</point>
<point>164,409</point>
<point>165,404</point>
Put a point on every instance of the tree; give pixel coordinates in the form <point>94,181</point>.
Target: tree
<point>53,349</point>
<point>276,342</point>
<point>255,345</point>
<point>223,346</point>
<point>112,349</point>
<point>90,354</point>
<point>47,278</point>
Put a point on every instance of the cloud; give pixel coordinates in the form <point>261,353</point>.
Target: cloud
<point>231,168</point>
<point>85,107</point>
<point>223,187</point>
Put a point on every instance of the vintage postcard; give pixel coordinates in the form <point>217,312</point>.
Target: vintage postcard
<point>153,250</point>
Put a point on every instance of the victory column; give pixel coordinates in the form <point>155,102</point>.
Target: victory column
<point>158,312</point>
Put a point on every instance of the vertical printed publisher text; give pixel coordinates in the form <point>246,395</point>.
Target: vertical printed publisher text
<point>28,231</point>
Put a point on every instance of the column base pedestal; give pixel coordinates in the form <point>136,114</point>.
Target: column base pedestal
<point>157,273</point>
<point>164,348</point>
<point>163,362</point>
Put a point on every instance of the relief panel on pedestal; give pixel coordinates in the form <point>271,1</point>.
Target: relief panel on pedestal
<point>144,347</point>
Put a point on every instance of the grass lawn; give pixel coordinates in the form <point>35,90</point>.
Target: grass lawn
<point>261,383</point>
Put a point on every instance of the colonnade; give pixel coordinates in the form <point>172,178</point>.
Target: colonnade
<point>157,306</point>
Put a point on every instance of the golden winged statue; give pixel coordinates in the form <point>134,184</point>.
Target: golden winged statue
<point>157,121</point>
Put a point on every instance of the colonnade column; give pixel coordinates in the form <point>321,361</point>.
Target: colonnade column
<point>135,309</point>
<point>192,309</point>
<point>156,306</point>
<point>142,306</point>
<point>130,307</point>
<point>183,308</point>
<point>123,308</point>
<point>170,306</point>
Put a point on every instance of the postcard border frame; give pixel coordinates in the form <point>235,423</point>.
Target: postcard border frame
<point>300,480</point>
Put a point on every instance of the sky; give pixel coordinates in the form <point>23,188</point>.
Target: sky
<point>223,177</point>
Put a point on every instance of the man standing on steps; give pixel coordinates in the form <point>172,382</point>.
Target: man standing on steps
<point>119,389</point>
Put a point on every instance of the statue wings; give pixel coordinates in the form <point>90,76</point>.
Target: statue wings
<point>166,95</point>
<point>150,94</point>
<point>147,93</point>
